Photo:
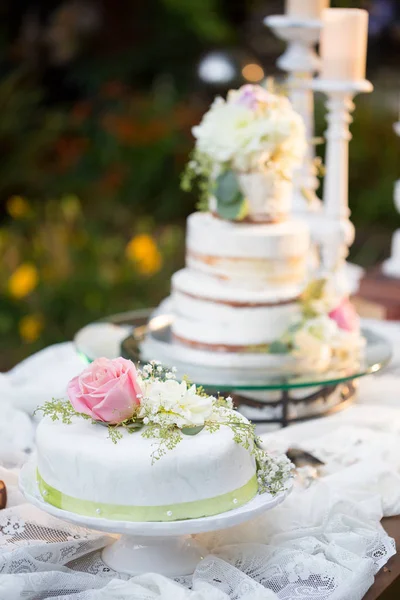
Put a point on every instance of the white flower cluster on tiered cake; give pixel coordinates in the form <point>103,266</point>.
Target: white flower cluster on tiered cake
<point>247,148</point>
<point>328,333</point>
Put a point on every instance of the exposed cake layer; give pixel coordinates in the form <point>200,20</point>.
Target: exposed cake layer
<point>190,282</point>
<point>79,467</point>
<point>257,254</point>
<point>212,313</point>
<point>217,366</point>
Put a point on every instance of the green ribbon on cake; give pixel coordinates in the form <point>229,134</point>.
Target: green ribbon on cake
<point>172,512</point>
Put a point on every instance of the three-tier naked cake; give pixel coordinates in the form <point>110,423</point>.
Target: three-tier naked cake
<point>247,296</point>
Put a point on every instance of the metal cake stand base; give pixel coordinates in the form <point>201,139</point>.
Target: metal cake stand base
<point>286,407</point>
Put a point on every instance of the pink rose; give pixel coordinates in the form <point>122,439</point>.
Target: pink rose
<point>107,390</point>
<point>345,316</point>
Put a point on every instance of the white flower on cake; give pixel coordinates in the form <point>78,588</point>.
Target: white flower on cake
<point>312,342</point>
<point>321,328</point>
<point>328,332</point>
<point>252,129</point>
<point>174,402</point>
<point>347,348</point>
<point>327,299</point>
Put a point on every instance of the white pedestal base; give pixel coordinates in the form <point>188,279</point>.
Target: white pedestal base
<point>170,556</point>
<point>164,547</point>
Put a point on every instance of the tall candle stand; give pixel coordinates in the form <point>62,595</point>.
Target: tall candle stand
<point>339,234</point>
<point>301,61</point>
<point>391,267</point>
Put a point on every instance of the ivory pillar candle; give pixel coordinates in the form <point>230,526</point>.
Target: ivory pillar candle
<point>306,9</point>
<point>343,46</point>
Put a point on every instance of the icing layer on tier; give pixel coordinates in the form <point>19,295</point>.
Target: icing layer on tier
<point>80,469</point>
<point>257,254</point>
<point>209,312</point>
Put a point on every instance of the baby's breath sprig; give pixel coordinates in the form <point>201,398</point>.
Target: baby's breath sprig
<point>197,173</point>
<point>166,437</point>
<point>114,433</point>
<point>59,410</point>
<point>274,473</point>
<point>222,402</point>
<point>155,370</point>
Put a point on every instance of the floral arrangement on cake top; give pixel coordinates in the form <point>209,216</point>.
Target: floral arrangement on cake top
<point>328,331</point>
<point>113,393</point>
<point>247,148</point>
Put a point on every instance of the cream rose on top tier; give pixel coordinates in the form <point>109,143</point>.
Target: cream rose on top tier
<point>247,148</point>
<point>108,390</point>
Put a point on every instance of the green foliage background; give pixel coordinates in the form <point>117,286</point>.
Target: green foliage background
<point>103,168</point>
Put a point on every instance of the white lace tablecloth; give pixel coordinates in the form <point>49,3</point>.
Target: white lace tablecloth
<point>322,543</point>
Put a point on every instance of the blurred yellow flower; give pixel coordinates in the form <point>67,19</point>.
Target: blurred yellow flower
<point>17,207</point>
<point>71,207</point>
<point>30,328</point>
<point>143,250</point>
<point>23,281</point>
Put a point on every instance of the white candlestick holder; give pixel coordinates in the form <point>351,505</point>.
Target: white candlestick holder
<point>336,242</point>
<point>391,267</point>
<point>301,61</point>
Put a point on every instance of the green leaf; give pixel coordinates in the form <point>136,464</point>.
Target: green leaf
<point>192,430</point>
<point>231,204</point>
<point>231,212</point>
<point>295,327</point>
<point>314,290</point>
<point>134,426</point>
<point>227,190</point>
<point>278,347</point>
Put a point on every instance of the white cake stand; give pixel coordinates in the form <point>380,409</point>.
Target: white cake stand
<point>161,547</point>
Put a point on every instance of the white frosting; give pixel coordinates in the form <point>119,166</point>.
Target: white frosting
<point>189,281</point>
<point>253,327</point>
<point>81,461</point>
<point>257,255</point>
<point>255,273</point>
<point>202,320</point>
<point>266,195</point>
<point>230,365</point>
<point>211,236</point>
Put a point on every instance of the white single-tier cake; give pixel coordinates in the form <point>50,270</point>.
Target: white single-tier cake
<point>80,470</point>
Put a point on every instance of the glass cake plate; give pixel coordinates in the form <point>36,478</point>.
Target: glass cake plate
<point>124,334</point>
